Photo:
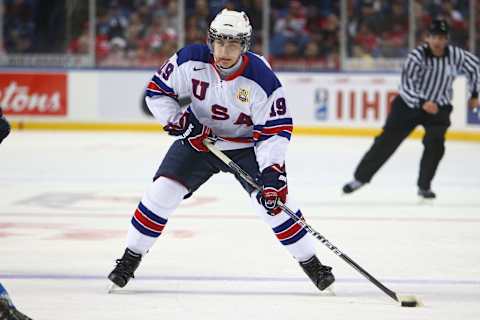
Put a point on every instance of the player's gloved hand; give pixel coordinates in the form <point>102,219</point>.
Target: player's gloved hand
<point>4,127</point>
<point>274,188</point>
<point>474,104</point>
<point>190,130</point>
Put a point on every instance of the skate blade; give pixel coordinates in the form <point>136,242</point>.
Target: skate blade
<point>425,202</point>
<point>329,291</point>
<point>112,287</point>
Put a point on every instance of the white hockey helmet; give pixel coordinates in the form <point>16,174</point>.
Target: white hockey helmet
<point>230,25</point>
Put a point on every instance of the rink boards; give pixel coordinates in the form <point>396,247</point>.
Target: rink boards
<point>322,103</point>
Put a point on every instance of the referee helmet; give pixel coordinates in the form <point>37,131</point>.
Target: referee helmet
<point>439,27</point>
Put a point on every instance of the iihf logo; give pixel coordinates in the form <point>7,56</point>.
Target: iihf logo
<point>321,104</point>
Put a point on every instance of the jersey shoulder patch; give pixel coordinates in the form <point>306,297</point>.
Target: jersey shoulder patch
<point>259,72</point>
<point>194,52</point>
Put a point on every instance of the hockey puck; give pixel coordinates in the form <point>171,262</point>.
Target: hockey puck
<point>409,301</point>
<point>410,304</point>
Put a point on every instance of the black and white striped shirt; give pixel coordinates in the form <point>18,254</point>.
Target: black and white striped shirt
<point>428,77</point>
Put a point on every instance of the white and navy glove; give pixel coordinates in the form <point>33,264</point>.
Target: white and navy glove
<point>274,188</point>
<point>189,129</point>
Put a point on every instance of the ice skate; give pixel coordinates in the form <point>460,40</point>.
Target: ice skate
<point>426,196</point>
<point>321,275</point>
<point>124,270</point>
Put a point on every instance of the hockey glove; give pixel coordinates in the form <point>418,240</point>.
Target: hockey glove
<point>189,129</point>
<point>4,127</point>
<point>274,188</point>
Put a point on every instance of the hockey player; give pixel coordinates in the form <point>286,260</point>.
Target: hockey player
<point>236,98</point>
<point>7,309</point>
<point>4,127</point>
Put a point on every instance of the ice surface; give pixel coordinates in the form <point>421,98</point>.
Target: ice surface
<point>66,200</point>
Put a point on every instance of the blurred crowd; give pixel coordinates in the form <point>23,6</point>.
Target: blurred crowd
<point>18,26</point>
<point>132,33</point>
<point>377,28</point>
<point>380,28</point>
<point>303,34</point>
<point>456,12</point>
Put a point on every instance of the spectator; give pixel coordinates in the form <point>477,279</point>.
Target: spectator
<point>18,26</point>
<point>136,33</point>
<point>394,40</point>
<point>312,51</point>
<point>291,49</point>
<point>328,35</point>
<point>116,56</point>
<point>81,45</point>
<point>456,13</point>
<point>366,23</point>
<point>366,42</point>
<point>192,31</point>
<point>310,30</point>
<point>290,27</point>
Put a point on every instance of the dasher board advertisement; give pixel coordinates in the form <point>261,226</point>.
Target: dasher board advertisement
<point>34,94</point>
<point>351,100</point>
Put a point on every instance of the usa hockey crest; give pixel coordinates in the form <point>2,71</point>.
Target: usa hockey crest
<point>243,95</point>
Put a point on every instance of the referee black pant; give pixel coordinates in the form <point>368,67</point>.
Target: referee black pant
<point>401,121</point>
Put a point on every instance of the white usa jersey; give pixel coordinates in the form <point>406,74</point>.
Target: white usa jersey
<point>245,109</point>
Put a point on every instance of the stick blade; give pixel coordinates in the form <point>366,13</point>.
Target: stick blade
<point>409,301</point>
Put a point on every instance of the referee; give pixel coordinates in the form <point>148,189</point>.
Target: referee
<point>424,99</point>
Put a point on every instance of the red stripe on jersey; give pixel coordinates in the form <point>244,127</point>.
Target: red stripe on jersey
<point>155,87</point>
<point>145,221</point>
<point>290,232</point>
<point>277,129</point>
<point>240,140</point>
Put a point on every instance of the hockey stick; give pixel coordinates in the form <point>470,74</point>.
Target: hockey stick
<point>405,301</point>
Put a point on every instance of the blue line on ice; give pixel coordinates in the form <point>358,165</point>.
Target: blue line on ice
<point>233,278</point>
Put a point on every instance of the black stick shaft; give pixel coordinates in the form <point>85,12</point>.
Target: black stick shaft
<point>342,255</point>
<point>245,176</point>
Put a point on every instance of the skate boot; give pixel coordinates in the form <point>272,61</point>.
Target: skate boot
<point>352,186</point>
<point>125,268</point>
<point>426,194</point>
<point>321,275</point>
